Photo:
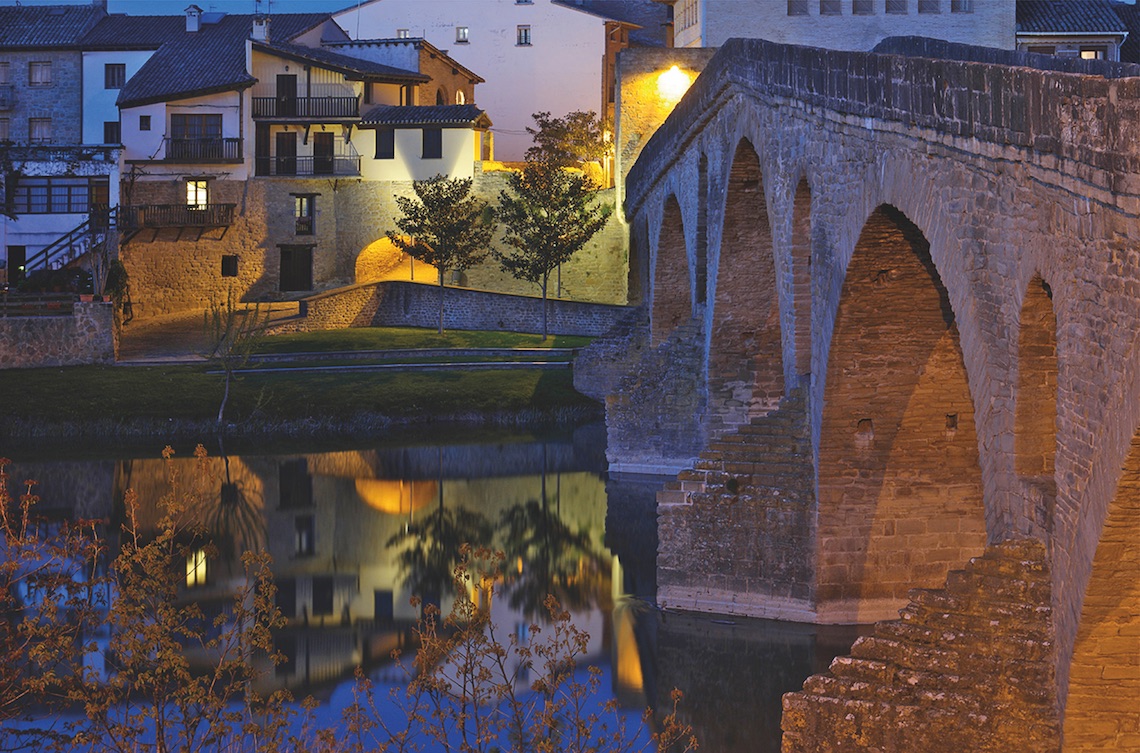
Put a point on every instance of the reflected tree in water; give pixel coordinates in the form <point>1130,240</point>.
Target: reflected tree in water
<point>234,517</point>
<point>430,548</point>
<point>552,559</point>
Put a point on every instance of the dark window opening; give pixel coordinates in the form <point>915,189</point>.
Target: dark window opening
<point>433,143</point>
<point>385,143</point>
<point>229,265</point>
<point>112,133</point>
<point>114,75</point>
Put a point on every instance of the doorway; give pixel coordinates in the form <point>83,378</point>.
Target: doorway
<point>323,160</point>
<point>296,268</point>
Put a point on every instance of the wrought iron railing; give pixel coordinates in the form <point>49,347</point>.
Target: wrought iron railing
<point>306,107</point>
<point>334,165</point>
<point>86,237</point>
<point>175,215</point>
<point>203,150</point>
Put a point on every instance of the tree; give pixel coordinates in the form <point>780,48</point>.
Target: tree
<point>567,141</point>
<point>233,333</point>
<point>444,226</point>
<point>549,215</point>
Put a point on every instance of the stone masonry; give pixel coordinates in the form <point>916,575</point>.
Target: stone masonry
<point>86,334</point>
<point>947,241</point>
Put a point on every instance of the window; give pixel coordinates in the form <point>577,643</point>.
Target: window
<point>39,73</point>
<point>59,195</point>
<point>111,132</point>
<point>5,135</point>
<point>197,193</point>
<point>522,35</point>
<point>460,97</point>
<point>1043,49</point>
<point>39,130</point>
<point>897,6</point>
<point>685,14</point>
<point>229,265</point>
<point>524,2</point>
<point>114,75</point>
<point>797,7</point>
<point>929,6</point>
<point>144,122</point>
<point>196,568</point>
<point>1094,53</point>
<point>830,7</point>
<point>385,143</point>
<point>461,33</point>
<point>367,92</point>
<point>402,34</point>
<point>863,7</point>
<point>304,212</point>
<point>433,143</point>
<point>208,126</point>
<point>5,73</point>
<point>961,6</point>
<point>304,536</point>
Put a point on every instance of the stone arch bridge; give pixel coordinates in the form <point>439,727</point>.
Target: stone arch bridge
<point>893,331</point>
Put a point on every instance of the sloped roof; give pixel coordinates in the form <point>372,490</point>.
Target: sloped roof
<point>341,63</point>
<point>206,61</point>
<point>648,17</point>
<point>426,115</point>
<point>119,32</point>
<point>1067,17</point>
<point>46,25</point>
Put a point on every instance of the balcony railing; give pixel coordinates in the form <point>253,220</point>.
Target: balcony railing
<point>336,165</point>
<point>306,107</point>
<point>203,150</point>
<point>138,217</point>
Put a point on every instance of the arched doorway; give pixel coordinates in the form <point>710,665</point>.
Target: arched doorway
<point>900,488</point>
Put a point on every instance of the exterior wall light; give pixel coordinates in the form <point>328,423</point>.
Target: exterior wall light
<point>672,84</point>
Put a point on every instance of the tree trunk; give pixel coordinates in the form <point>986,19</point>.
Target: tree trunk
<point>545,280</point>
<point>441,300</point>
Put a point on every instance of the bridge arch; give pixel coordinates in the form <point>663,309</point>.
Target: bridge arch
<point>1104,673</point>
<point>1035,416</point>
<point>672,299</point>
<point>801,250</point>
<point>899,481</point>
<point>745,364</point>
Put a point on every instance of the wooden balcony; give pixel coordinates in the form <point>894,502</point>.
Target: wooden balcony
<point>308,166</point>
<point>133,219</point>
<point>196,151</point>
<point>307,108</point>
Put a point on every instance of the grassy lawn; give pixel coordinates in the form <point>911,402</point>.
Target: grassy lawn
<point>92,393</point>
<point>385,338</point>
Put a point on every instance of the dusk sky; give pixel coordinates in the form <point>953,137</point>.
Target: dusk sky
<point>173,7</point>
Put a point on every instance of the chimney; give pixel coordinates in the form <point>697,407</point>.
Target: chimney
<point>193,18</point>
<point>99,5</point>
<point>260,28</point>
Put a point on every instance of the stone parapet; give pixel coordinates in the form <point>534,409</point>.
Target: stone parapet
<point>86,336</point>
<point>410,304</point>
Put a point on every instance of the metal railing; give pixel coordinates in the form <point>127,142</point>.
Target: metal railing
<point>70,246</point>
<point>306,107</point>
<point>203,150</point>
<point>335,165</point>
<point>175,215</point>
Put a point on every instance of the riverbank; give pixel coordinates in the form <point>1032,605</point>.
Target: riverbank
<point>169,403</point>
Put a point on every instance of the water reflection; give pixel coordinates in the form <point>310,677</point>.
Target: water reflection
<point>353,534</point>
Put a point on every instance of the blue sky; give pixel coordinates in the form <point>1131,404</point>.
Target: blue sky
<point>175,7</point>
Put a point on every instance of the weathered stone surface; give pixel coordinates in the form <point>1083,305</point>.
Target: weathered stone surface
<point>87,335</point>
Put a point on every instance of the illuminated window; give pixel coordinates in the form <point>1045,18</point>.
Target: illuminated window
<point>961,6</point>
<point>797,7</point>
<point>460,97</point>
<point>830,7</point>
<point>304,212</point>
<point>111,132</point>
<point>1094,53</point>
<point>197,193</point>
<point>144,122</point>
<point>461,33</point>
<point>863,7</point>
<point>39,73</point>
<point>402,33</point>
<point>196,568</point>
<point>897,6</point>
<point>114,75</point>
<point>39,130</point>
<point>522,35</point>
<point>929,6</point>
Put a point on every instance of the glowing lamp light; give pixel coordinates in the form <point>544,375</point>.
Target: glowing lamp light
<point>673,83</point>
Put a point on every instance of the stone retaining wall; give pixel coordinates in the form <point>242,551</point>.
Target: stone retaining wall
<point>87,336</point>
<point>410,304</point>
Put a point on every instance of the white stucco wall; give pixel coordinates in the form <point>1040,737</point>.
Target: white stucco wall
<point>234,107</point>
<point>98,102</point>
<point>559,72</point>
<point>991,24</point>
<point>459,149</point>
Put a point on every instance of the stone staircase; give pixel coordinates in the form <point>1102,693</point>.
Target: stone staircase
<point>966,668</point>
